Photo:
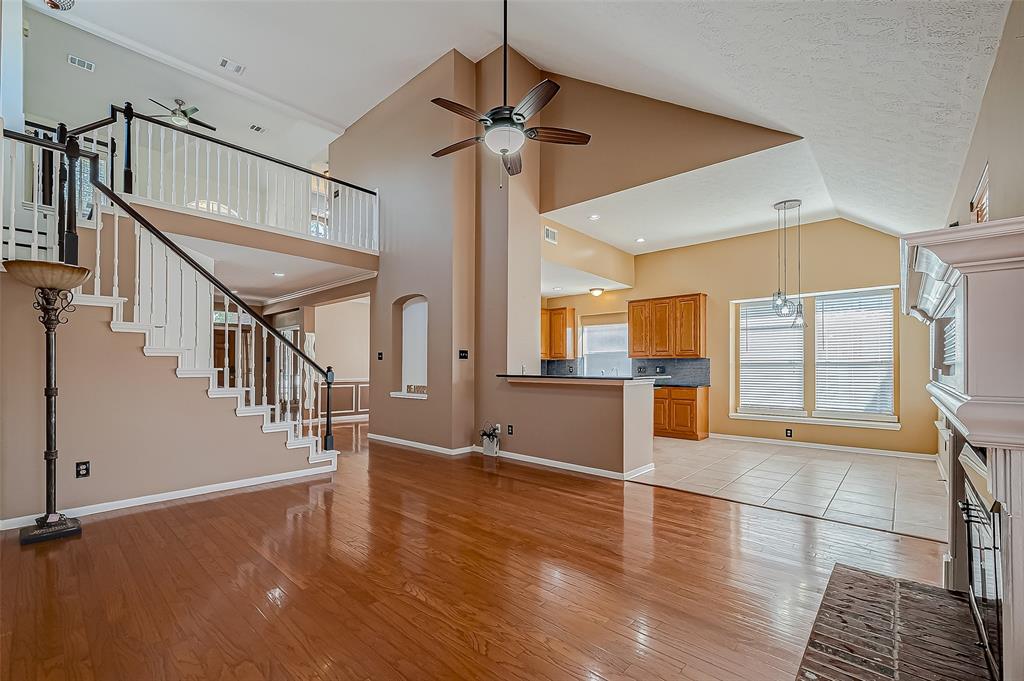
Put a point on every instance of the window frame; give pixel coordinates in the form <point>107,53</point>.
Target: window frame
<point>768,411</point>
<point>583,346</point>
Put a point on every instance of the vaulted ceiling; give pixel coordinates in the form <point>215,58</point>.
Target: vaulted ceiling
<point>885,94</point>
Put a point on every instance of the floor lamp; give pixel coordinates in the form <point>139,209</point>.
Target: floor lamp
<point>53,282</point>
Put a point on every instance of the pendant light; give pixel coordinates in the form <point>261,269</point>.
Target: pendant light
<point>782,305</point>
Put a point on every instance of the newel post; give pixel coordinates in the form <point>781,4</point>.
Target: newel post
<point>129,114</point>
<point>69,249</point>
<point>329,434</point>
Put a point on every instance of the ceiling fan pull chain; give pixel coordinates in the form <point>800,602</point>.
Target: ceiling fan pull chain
<point>501,170</point>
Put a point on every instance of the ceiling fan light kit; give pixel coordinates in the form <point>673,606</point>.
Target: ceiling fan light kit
<point>505,129</point>
<point>181,115</point>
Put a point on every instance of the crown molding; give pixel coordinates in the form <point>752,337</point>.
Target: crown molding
<point>317,289</point>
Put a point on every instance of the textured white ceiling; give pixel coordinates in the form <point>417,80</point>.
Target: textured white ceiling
<point>559,280</point>
<point>723,200</point>
<point>885,92</point>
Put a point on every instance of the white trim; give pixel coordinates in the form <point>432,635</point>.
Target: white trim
<point>326,287</point>
<point>639,470</point>
<point>815,421</point>
<point>820,293</point>
<point>819,445</point>
<point>24,521</point>
<point>852,416</point>
<point>409,396</point>
<point>771,412</point>
<point>562,465</point>
<point>346,418</point>
<point>419,445</point>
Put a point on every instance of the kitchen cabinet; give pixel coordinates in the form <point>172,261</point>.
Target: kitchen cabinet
<point>681,412</point>
<point>545,333</point>
<point>558,333</point>
<point>669,327</point>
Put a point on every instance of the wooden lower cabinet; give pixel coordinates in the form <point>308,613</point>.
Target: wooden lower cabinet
<point>681,412</point>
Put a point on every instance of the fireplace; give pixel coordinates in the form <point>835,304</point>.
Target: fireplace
<point>981,516</point>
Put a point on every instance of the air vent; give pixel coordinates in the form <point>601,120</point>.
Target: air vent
<point>232,67</point>
<point>257,128</point>
<point>550,235</point>
<point>81,63</point>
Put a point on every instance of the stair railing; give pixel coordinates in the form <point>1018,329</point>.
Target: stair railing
<point>179,166</point>
<point>174,295</point>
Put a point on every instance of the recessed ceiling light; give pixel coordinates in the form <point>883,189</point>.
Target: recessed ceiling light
<point>557,288</point>
<point>640,239</point>
<point>596,292</point>
<point>278,274</point>
<point>594,218</point>
<point>234,290</point>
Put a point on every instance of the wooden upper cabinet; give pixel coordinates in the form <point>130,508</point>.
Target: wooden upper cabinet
<point>545,334</point>
<point>690,325</point>
<point>561,332</point>
<point>668,327</point>
<point>639,318</point>
<point>662,327</point>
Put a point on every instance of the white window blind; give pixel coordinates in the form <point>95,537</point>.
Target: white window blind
<point>771,361</point>
<point>854,353</point>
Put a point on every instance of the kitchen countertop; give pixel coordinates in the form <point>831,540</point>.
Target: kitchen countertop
<point>578,377</point>
<point>667,382</point>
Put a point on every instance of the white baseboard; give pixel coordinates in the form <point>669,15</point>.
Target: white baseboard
<point>24,521</point>
<point>575,468</point>
<point>816,445</point>
<point>420,445</point>
<point>344,418</point>
<point>629,475</point>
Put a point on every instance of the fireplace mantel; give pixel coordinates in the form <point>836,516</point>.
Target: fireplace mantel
<point>970,280</point>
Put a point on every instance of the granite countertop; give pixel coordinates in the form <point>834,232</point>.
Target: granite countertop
<point>580,377</point>
<point>669,382</point>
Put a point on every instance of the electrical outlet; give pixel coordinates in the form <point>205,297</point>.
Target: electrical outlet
<point>380,355</point>
<point>659,370</point>
<point>641,370</point>
<point>789,432</point>
<point>572,369</point>
<point>463,354</point>
<point>510,429</point>
<point>82,469</point>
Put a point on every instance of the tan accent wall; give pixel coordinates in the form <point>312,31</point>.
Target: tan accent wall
<point>426,230</point>
<point>999,134</point>
<point>343,338</point>
<point>143,429</point>
<point>838,255</point>
<point>583,252</point>
<point>635,140</point>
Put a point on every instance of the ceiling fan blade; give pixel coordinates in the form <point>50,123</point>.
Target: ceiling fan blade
<point>190,112</point>
<point>160,116</point>
<point>535,100</point>
<point>557,135</point>
<point>162,106</point>
<point>198,122</point>
<point>457,146</point>
<point>460,109</point>
<point>513,163</point>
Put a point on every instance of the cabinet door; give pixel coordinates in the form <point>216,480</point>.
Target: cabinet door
<point>570,333</point>
<point>639,328</point>
<point>689,326</point>
<point>545,334</point>
<point>682,416</point>
<point>661,414</point>
<point>662,327</point>
<point>557,331</point>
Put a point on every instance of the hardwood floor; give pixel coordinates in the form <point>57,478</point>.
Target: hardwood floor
<point>406,565</point>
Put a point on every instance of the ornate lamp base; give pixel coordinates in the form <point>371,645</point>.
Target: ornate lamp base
<point>63,526</point>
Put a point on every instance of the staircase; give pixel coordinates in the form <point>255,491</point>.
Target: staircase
<point>55,206</point>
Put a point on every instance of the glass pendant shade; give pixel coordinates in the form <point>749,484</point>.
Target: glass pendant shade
<point>788,308</point>
<point>778,298</point>
<point>798,316</point>
<point>504,139</point>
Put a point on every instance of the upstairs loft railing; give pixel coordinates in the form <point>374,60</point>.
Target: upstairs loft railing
<point>169,293</point>
<point>151,159</point>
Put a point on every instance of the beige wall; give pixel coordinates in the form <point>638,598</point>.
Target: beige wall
<point>143,429</point>
<point>999,133</point>
<point>343,337</point>
<point>635,140</point>
<point>426,221</point>
<point>583,252</point>
<point>838,254</point>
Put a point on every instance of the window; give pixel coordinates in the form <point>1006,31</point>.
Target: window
<point>854,354</point>
<point>979,204</point>
<point>605,350</point>
<point>771,361</point>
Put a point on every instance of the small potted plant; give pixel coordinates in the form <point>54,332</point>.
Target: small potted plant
<point>490,437</point>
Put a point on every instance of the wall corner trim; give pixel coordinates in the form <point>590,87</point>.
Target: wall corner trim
<point>24,521</point>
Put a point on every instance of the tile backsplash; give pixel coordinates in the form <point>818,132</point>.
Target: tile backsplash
<point>560,367</point>
<point>682,372</point>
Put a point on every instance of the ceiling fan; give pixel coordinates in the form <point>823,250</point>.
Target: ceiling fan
<point>181,116</point>
<point>504,126</point>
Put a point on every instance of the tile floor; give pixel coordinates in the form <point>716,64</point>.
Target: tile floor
<point>887,493</point>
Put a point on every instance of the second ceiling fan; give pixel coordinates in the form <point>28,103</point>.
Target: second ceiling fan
<point>505,131</point>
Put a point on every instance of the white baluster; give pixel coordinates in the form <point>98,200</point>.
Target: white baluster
<point>174,167</point>
<point>218,185</point>
<point>137,158</point>
<point>239,370</point>
<point>248,185</point>
<point>263,364</point>
<point>117,254</point>
<point>149,160</point>
<point>252,362</point>
<point>3,195</point>
<point>290,380</point>
<point>161,177</point>
<point>36,198</point>
<point>227,377</point>
<point>238,179</point>
<point>207,198</point>
<point>195,148</point>
<point>198,317</point>
<point>138,274</point>
<point>12,235</point>
<point>376,219</point>
<point>96,281</point>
